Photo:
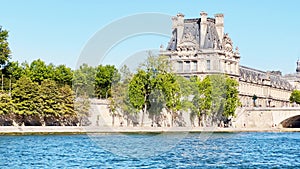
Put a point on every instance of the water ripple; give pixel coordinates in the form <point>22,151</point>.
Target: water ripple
<point>241,150</point>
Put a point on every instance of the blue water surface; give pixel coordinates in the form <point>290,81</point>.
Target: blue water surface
<point>218,150</point>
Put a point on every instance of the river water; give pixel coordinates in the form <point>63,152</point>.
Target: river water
<point>181,150</point>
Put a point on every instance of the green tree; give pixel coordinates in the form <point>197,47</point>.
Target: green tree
<point>4,47</point>
<point>63,75</point>
<point>166,82</point>
<point>120,102</point>
<point>202,100</point>
<point>156,64</point>
<point>14,70</point>
<point>139,91</point>
<point>26,69</point>
<point>295,97</point>
<point>40,95</point>
<point>217,99</point>
<point>49,103</point>
<point>218,96</point>
<point>188,91</point>
<point>66,100</point>
<point>82,106</point>
<point>6,104</point>
<point>157,102</point>
<point>84,81</point>
<point>154,86</point>
<point>105,76</point>
<point>39,71</point>
<point>232,97</point>
<point>7,109</point>
<point>26,96</point>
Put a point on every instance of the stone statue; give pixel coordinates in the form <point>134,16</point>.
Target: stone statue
<point>227,43</point>
<point>215,44</point>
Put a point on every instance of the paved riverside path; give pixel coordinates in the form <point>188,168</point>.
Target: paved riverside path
<point>4,130</point>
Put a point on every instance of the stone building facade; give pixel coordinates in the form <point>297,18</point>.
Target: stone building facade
<point>199,47</point>
<point>294,78</point>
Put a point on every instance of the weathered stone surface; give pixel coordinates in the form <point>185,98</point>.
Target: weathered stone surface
<point>265,117</point>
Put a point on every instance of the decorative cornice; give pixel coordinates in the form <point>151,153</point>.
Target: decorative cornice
<point>202,13</point>
<point>180,15</point>
<point>219,15</point>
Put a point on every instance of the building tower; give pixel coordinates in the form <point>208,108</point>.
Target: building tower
<point>298,66</point>
<point>199,47</point>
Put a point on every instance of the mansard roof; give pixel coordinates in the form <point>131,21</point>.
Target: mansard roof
<point>173,42</point>
<point>257,76</point>
<point>191,32</point>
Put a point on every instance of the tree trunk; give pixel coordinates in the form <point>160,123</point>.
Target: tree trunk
<point>152,119</point>
<point>128,121</point>
<point>43,121</point>
<point>145,109</point>
<point>113,119</point>
<point>143,114</point>
<point>204,119</point>
<point>172,120</point>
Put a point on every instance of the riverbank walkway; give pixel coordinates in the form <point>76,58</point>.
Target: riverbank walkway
<point>19,130</point>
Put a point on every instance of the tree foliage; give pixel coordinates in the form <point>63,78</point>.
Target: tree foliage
<point>63,75</point>
<point>37,93</point>
<point>68,115</point>
<point>166,82</point>
<point>215,100</point>
<point>34,104</point>
<point>39,71</point>
<point>139,91</point>
<point>295,97</point>
<point>4,47</point>
<point>6,104</point>
<point>105,76</point>
<point>154,87</point>
<point>120,100</point>
<point>201,99</point>
<point>82,107</point>
<point>232,97</point>
<point>50,103</point>
<point>25,96</point>
<point>84,80</point>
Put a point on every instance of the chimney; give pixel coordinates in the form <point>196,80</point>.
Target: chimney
<point>180,26</point>
<point>219,18</point>
<point>203,27</point>
<point>174,22</point>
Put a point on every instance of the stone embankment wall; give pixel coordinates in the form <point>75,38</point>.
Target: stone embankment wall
<point>246,117</point>
<point>100,115</point>
<point>264,117</point>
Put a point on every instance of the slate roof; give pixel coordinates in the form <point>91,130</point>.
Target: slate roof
<point>193,27</point>
<point>257,76</point>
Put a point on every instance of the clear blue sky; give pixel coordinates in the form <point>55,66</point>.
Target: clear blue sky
<point>266,31</point>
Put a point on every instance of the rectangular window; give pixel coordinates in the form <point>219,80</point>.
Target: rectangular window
<point>195,65</point>
<point>180,66</point>
<point>187,66</point>
<point>207,64</point>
